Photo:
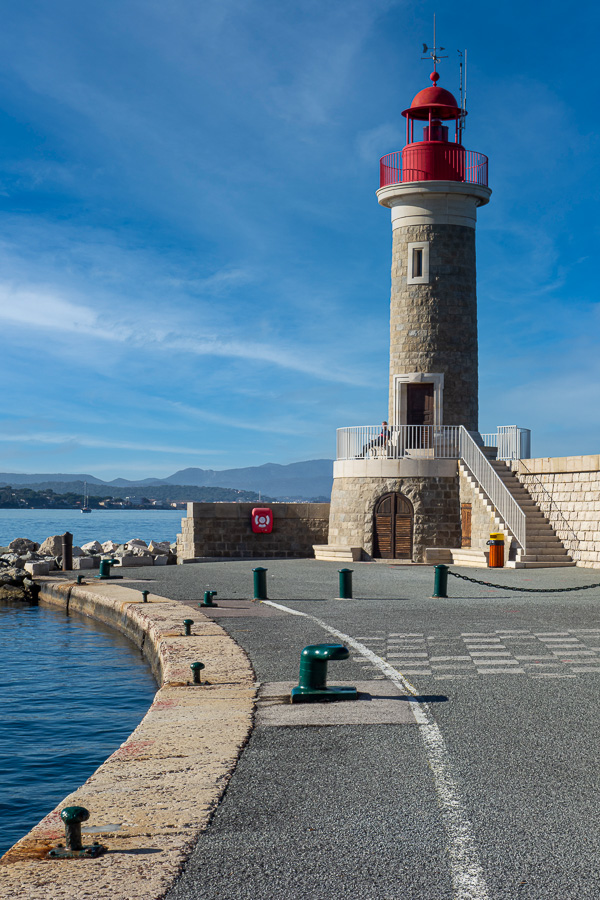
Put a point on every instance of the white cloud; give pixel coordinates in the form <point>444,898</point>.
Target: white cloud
<point>75,441</point>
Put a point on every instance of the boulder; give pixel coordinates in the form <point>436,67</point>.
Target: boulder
<point>109,547</point>
<point>11,575</point>
<point>78,551</point>
<point>159,547</point>
<point>83,562</point>
<point>139,551</point>
<point>37,568</point>
<point>130,560</point>
<point>22,545</point>
<point>161,559</point>
<point>11,559</point>
<point>52,546</point>
<point>136,542</point>
<point>92,547</point>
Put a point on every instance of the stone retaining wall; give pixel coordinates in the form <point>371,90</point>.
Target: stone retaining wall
<point>224,530</point>
<point>153,797</point>
<point>435,500</point>
<point>567,490</point>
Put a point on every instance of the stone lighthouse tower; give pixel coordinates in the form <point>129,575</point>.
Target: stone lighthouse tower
<point>433,188</point>
<point>396,486</point>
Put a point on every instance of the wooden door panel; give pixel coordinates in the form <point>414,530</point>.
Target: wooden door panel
<point>393,525</point>
<point>403,537</point>
<point>383,530</point>
<point>465,521</point>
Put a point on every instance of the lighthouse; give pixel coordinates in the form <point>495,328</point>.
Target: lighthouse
<point>425,485</point>
<point>433,188</point>
<point>397,487</point>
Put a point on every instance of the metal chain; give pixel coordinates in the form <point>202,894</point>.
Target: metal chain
<point>506,587</point>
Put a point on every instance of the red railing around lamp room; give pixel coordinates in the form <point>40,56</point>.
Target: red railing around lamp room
<point>437,162</point>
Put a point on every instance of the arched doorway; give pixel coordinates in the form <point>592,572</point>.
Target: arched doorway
<point>393,527</point>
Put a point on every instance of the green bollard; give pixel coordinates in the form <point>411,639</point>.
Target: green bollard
<point>80,580</point>
<point>440,584</point>
<point>312,682</point>
<point>145,596</point>
<point>208,599</point>
<point>105,565</point>
<point>196,668</point>
<point>104,574</point>
<point>72,817</point>
<point>260,583</point>
<point>345,584</point>
<point>187,624</point>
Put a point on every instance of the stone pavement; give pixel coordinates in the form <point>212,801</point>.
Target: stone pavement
<point>469,769</point>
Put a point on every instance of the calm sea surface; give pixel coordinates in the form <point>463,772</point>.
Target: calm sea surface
<point>99,525</point>
<point>71,691</point>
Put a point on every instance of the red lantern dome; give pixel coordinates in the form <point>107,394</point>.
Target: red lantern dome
<point>439,102</point>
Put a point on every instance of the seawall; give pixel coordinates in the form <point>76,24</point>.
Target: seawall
<point>567,490</point>
<point>151,799</point>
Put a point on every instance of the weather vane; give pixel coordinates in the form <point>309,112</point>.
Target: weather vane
<point>432,52</point>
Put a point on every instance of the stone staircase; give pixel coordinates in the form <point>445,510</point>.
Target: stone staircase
<point>544,549</point>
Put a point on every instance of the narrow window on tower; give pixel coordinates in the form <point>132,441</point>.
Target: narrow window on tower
<point>418,263</point>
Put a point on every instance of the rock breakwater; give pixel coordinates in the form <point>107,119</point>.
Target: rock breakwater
<point>24,558</point>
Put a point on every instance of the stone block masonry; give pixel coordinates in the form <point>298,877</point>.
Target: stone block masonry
<point>224,530</point>
<point>435,502</point>
<point>433,327</point>
<point>567,490</point>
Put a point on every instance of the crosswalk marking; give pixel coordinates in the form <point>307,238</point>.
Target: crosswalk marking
<point>505,651</point>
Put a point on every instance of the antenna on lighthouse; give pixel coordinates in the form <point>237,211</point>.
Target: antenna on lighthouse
<point>432,52</point>
<point>463,94</point>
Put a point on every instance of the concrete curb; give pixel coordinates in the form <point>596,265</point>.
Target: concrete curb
<point>152,798</point>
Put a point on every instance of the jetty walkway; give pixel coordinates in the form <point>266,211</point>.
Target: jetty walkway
<point>473,776</point>
<point>467,768</point>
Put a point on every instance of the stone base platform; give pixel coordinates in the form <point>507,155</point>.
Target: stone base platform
<point>333,553</point>
<point>478,559</point>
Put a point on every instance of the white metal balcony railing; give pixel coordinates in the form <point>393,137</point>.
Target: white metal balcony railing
<point>512,442</point>
<point>442,442</point>
<point>446,442</point>
<point>369,442</point>
<point>490,482</point>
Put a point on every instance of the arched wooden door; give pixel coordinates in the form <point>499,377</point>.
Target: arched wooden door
<point>393,527</point>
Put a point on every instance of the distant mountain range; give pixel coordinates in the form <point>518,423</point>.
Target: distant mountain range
<point>307,480</point>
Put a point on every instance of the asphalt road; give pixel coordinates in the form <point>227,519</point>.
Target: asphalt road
<point>489,791</point>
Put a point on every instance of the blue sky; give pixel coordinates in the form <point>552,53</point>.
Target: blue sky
<point>194,269</point>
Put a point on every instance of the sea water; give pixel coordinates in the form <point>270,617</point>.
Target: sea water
<point>99,525</point>
<point>71,691</point>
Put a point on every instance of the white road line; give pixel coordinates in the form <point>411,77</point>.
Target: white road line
<point>467,872</point>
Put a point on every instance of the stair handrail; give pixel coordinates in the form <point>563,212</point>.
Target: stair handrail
<point>569,527</point>
<point>490,482</point>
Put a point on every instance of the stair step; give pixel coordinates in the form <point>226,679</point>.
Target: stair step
<point>538,565</point>
<point>335,553</point>
<point>541,557</point>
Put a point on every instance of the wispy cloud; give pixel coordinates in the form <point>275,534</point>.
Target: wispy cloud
<point>74,441</point>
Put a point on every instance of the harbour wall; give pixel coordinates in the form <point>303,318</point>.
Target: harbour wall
<point>567,490</point>
<point>224,530</point>
<point>152,798</point>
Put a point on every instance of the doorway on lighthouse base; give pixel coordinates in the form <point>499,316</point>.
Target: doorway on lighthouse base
<point>419,412</point>
<point>393,527</point>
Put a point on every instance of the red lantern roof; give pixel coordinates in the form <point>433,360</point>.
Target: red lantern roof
<point>440,102</point>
